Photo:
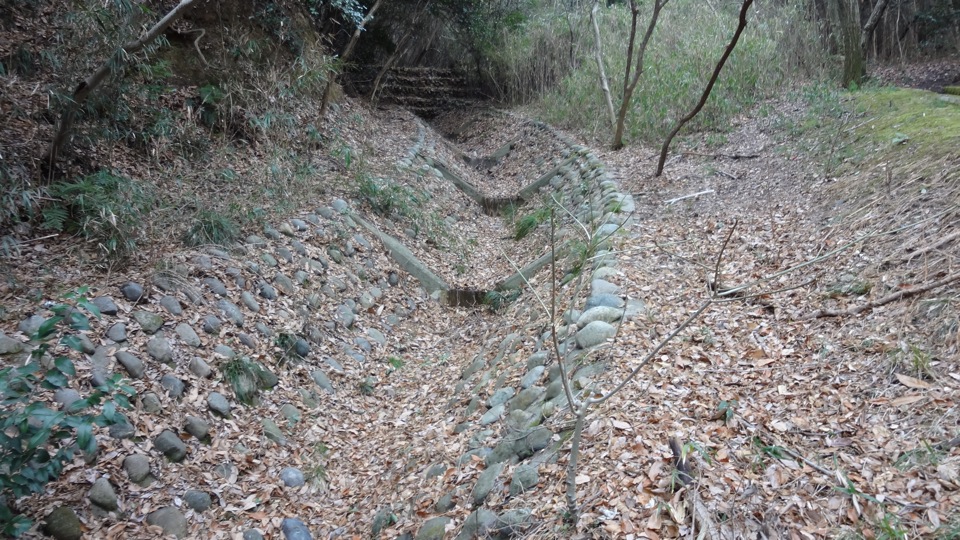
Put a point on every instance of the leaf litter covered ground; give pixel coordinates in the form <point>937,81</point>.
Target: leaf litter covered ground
<point>831,423</point>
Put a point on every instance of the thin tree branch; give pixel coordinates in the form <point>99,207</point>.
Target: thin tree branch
<point>892,297</point>
<point>629,85</point>
<point>91,83</point>
<point>604,83</point>
<point>706,92</point>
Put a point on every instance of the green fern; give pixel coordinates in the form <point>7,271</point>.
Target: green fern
<point>55,217</point>
<point>104,207</point>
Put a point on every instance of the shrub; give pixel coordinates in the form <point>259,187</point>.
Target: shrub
<point>527,224</point>
<point>388,198</point>
<point>104,207</point>
<point>245,377</point>
<point>683,51</point>
<point>18,197</point>
<point>211,228</point>
<point>35,440</point>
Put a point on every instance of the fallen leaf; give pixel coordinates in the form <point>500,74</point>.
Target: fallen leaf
<point>913,382</point>
<point>906,400</point>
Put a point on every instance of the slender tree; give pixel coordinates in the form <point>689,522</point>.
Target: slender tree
<point>706,92</point>
<point>347,53</point>
<point>630,84</point>
<point>604,83</point>
<point>93,82</point>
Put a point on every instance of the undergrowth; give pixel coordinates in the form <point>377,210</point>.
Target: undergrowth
<point>177,123</point>
<point>105,208</point>
<point>211,227</point>
<point>780,42</point>
<point>245,377</point>
<point>35,440</point>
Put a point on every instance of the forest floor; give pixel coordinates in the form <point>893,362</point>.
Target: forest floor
<point>819,401</point>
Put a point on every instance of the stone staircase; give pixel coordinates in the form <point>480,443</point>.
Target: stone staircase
<point>425,91</point>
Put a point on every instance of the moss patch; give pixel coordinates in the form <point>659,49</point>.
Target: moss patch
<point>907,124</point>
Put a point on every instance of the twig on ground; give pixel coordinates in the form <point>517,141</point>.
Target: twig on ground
<point>728,156</point>
<point>893,297</point>
<point>728,175</point>
<point>936,245</point>
<point>32,240</point>
<point>690,196</point>
<point>835,475</point>
<point>678,256</point>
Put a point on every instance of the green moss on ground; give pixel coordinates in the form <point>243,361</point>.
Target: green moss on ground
<point>907,123</point>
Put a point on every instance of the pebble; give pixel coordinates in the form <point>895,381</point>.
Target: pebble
<point>106,305</point>
<point>197,427</point>
<point>137,467</point>
<point>172,305</point>
<point>170,520</point>
<point>292,477</point>
<point>199,367</point>
<point>595,333</point>
<point>150,402</point>
<point>149,322</point>
<point>131,363</point>
<point>117,332</point>
<point>198,501</point>
<point>63,524</point>
<point>103,495</point>
<point>211,324</point>
<point>132,291</point>
<point>170,445</point>
<point>160,349</point>
<point>218,404</point>
<point>188,335</point>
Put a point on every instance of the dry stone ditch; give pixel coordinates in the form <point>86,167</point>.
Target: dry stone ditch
<point>523,441</point>
<point>211,307</point>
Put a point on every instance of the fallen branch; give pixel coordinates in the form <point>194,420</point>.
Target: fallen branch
<point>937,245</point>
<point>690,196</point>
<point>892,297</point>
<point>728,156</point>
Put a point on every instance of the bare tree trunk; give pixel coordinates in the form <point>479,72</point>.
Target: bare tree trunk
<point>706,92</point>
<point>629,85</point>
<point>604,83</point>
<point>400,49</point>
<point>91,83</point>
<point>347,51</point>
<point>845,22</point>
<point>872,23</point>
